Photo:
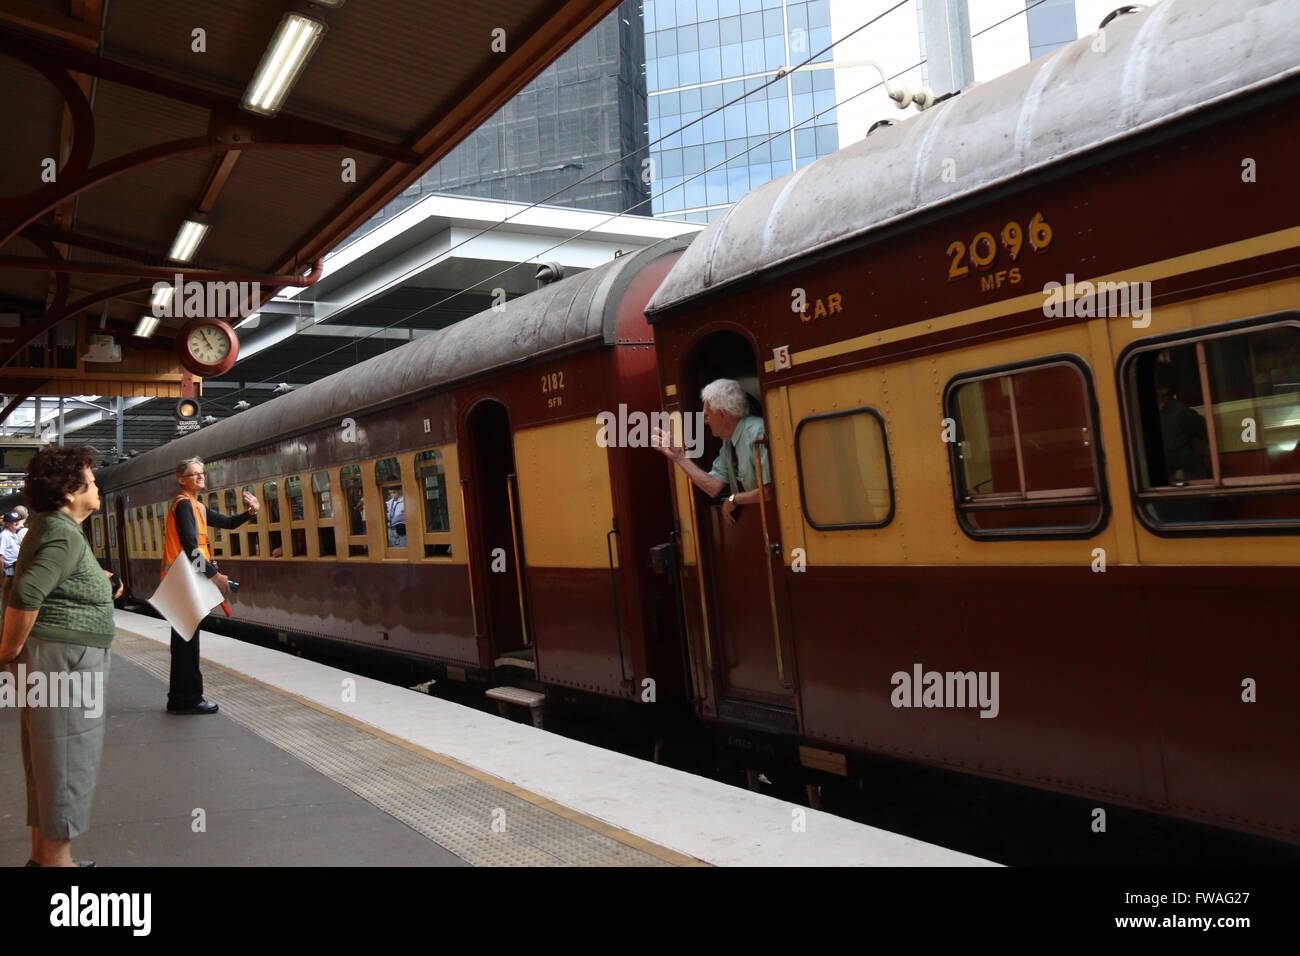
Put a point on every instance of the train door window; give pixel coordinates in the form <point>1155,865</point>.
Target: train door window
<point>112,530</point>
<point>275,538</point>
<point>255,524</point>
<point>432,475</point>
<point>354,497</point>
<point>232,507</point>
<point>297,518</point>
<point>320,489</point>
<point>1215,429</point>
<point>1024,462</point>
<point>388,477</point>
<point>843,462</point>
<point>214,533</point>
<point>97,530</point>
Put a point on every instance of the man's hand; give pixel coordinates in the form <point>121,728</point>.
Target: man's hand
<point>662,441</point>
<point>729,511</point>
<point>223,584</point>
<point>251,501</point>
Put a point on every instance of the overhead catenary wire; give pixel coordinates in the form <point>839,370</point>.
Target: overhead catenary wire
<point>485,279</point>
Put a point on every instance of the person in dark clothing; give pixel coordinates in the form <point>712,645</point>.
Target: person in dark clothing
<point>188,520</point>
<point>1182,432</point>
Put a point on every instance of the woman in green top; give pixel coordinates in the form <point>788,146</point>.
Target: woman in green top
<point>58,627</point>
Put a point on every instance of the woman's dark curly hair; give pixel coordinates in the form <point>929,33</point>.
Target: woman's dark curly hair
<point>54,473</point>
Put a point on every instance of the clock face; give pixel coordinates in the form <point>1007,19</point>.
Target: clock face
<point>208,345</point>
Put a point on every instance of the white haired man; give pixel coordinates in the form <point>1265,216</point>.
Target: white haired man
<point>726,412</point>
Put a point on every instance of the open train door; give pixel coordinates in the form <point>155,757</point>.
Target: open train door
<point>751,658</point>
<point>494,531</point>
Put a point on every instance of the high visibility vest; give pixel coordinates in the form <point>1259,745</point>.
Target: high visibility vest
<point>172,544</point>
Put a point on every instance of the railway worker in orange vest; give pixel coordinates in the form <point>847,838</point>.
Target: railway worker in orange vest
<point>726,412</point>
<point>188,520</point>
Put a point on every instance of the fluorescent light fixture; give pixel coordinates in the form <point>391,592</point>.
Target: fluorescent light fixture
<point>292,46</point>
<point>327,3</point>
<point>145,327</point>
<point>187,240</point>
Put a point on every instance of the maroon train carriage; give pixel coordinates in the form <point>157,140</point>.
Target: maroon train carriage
<point>979,553</point>
<point>526,545</point>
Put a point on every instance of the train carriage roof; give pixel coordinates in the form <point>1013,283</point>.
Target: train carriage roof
<point>574,312</point>
<point>1165,63</point>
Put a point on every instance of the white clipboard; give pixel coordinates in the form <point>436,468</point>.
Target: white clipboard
<point>185,597</point>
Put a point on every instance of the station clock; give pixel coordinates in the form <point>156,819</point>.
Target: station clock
<point>207,347</point>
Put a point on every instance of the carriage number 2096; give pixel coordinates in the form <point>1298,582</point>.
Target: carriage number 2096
<point>553,382</point>
<point>984,248</point>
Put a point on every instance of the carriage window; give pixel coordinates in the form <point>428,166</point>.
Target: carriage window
<point>214,502</point>
<point>433,483</point>
<point>254,537</point>
<point>355,499</point>
<point>232,507</point>
<point>271,497</point>
<point>1215,429</point>
<point>97,527</point>
<point>320,488</point>
<point>112,531</point>
<point>1024,461</point>
<point>293,491</point>
<point>843,463</point>
<point>160,522</point>
<point>388,476</point>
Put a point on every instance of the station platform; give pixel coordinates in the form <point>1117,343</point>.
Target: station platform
<point>302,768</point>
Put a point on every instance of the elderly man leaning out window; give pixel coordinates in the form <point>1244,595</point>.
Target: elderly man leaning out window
<point>726,411</point>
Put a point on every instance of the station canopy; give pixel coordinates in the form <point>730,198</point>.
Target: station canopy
<point>123,121</point>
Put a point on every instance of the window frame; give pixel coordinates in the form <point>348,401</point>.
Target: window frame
<point>365,470</point>
<point>160,522</point>
<point>216,540</point>
<point>315,522</point>
<point>252,528</point>
<point>433,538</point>
<point>1237,489</point>
<point>292,524</point>
<point>889,468</point>
<point>280,524</point>
<point>1091,408</point>
<point>392,552</point>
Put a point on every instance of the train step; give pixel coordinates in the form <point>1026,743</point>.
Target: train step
<point>507,697</point>
<point>516,660</point>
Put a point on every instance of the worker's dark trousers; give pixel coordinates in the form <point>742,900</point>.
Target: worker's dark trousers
<point>186,688</point>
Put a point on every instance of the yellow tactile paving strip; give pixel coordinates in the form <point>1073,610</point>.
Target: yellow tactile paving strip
<point>484,820</point>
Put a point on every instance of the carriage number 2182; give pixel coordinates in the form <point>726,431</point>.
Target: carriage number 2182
<point>551,383</point>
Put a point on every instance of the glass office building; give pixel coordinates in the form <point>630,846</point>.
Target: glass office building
<point>701,54</point>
